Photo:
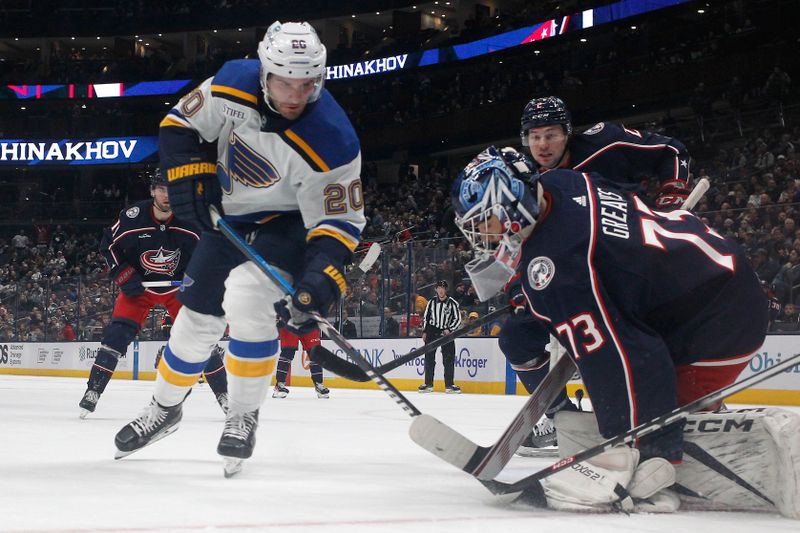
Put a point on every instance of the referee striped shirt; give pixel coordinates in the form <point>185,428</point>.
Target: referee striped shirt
<point>441,314</point>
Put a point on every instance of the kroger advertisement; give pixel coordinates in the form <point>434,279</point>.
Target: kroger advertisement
<point>103,151</point>
<point>480,366</point>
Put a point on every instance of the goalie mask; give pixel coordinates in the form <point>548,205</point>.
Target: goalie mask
<point>496,205</point>
<point>292,50</point>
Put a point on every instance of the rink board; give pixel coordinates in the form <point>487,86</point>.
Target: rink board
<point>480,365</point>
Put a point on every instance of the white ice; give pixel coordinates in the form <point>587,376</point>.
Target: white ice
<point>344,464</point>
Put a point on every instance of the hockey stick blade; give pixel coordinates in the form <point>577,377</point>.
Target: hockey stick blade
<point>341,367</point>
<point>499,487</point>
<point>373,252</point>
<point>484,462</point>
<point>275,277</point>
<point>699,190</point>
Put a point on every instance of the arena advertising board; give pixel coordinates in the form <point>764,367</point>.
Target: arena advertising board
<point>102,151</point>
<point>480,365</point>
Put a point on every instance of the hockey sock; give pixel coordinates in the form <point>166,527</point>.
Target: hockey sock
<point>215,373</point>
<point>284,363</point>
<point>249,365</point>
<point>103,368</point>
<point>316,372</point>
<point>175,377</point>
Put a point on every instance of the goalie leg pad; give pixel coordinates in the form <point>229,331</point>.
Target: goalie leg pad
<point>755,447</point>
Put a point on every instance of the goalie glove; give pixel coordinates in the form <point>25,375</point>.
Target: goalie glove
<point>193,188</point>
<point>128,280</point>
<point>671,195</point>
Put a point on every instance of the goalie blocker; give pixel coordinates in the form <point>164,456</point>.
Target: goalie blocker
<point>743,460</point>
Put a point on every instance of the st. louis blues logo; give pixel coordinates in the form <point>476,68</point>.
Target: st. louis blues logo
<point>161,261</point>
<point>246,166</point>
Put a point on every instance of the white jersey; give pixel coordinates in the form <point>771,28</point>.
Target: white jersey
<point>268,165</point>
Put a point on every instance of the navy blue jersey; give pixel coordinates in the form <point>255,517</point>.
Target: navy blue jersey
<point>632,293</point>
<point>626,155</point>
<point>159,251</point>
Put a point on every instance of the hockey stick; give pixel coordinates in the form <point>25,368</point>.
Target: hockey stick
<point>370,257</point>
<point>341,367</point>
<point>165,283</point>
<point>676,415</point>
<point>326,326</point>
<point>699,190</point>
<point>486,462</point>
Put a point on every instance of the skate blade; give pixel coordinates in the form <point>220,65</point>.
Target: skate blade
<point>323,396</point>
<point>119,454</point>
<point>83,413</point>
<point>233,466</point>
<point>538,452</point>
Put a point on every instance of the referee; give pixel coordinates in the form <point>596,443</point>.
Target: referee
<point>441,317</point>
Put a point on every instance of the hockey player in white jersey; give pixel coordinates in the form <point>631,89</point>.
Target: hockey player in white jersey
<point>287,177</point>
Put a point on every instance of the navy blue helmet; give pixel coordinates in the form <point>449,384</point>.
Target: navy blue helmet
<point>544,112</point>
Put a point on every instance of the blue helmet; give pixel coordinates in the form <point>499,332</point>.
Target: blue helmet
<point>544,112</point>
<point>497,183</point>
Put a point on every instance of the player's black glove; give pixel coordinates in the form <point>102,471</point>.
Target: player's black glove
<point>671,195</point>
<point>128,280</point>
<point>193,188</point>
<point>319,287</point>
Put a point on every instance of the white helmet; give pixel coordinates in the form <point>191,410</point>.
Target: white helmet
<point>292,50</point>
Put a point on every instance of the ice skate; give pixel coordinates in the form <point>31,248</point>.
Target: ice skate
<point>88,402</point>
<point>222,400</point>
<point>280,390</point>
<point>452,389</point>
<point>541,441</point>
<point>238,439</point>
<point>424,388</point>
<point>322,390</point>
<point>154,423</point>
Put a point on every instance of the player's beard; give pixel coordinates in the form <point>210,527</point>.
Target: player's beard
<point>162,207</point>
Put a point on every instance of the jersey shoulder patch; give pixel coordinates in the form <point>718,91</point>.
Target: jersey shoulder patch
<point>324,137</point>
<point>238,81</point>
<point>136,215</point>
<point>597,128</point>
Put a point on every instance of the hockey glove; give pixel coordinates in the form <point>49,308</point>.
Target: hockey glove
<point>128,280</point>
<point>319,287</point>
<point>671,195</point>
<point>193,188</point>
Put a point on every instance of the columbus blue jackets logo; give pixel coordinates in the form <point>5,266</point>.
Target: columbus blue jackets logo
<point>133,212</point>
<point>540,272</point>
<point>161,261</point>
<point>246,166</point>
<point>597,128</point>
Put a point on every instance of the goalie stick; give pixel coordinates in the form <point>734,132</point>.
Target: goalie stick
<point>676,415</point>
<point>341,367</point>
<point>486,462</point>
<point>326,326</point>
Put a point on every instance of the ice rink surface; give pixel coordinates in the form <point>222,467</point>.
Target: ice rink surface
<point>345,464</point>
